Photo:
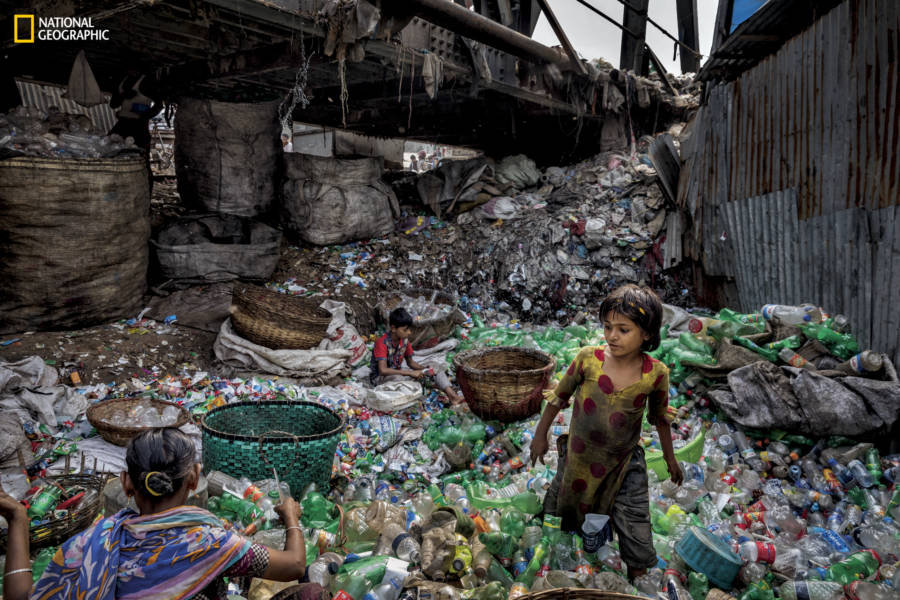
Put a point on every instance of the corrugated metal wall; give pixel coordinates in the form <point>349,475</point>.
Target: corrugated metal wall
<point>45,95</point>
<point>793,174</point>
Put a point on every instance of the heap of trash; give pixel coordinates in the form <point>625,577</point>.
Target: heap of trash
<point>525,244</point>
<point>785,495</point>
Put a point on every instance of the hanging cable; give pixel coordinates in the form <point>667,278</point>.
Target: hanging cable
<point>633,34</point>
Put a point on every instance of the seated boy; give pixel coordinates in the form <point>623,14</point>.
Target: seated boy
<point>393,347</point>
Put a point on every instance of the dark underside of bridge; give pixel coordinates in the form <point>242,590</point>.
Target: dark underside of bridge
<point>490,98</point>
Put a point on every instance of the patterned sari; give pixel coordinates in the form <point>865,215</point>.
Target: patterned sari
<point>173,554</point>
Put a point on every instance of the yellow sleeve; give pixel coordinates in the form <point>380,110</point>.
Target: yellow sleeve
<point>658,406</point>
<point>573,377</point>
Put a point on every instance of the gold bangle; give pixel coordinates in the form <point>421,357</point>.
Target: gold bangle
<point>8,573</point>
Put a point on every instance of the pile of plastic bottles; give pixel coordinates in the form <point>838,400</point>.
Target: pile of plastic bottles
<point>434,500</point>
<point>807,519</point>
<point>33,132</point>
<point>145,415</point>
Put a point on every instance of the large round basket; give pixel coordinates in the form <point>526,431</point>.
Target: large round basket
<point>275,320</point>
<point>248,439</point>
<point>572,593</point>
<point>426,333</point>
<point>100,415</point>
<point>56,531</point>
<point>503,383</point>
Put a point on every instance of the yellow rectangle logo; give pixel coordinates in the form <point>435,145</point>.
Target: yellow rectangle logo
<point>18,20</point>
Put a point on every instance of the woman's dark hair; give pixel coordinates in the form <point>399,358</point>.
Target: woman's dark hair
<point>641,305</point>
<point>400,318</point>
<point>158,460</point>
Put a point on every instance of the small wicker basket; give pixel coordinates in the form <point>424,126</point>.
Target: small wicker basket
<point>277,321</point>
<point>503,383</point>
<point>99,416</point>
<point>56,531</point>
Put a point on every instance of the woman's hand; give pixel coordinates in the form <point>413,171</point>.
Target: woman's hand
<point>417,374</point>
<point>539,447</point>
<point>675,472</point>
<point>289,511</point>
<point>10,508</point>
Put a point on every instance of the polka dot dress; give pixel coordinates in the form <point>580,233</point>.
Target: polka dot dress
<point>605,428</point>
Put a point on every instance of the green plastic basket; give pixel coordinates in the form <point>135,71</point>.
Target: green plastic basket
<point>691,452</point>
<point>248,439</point>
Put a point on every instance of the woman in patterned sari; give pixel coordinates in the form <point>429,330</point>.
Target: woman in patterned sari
<point>169,550</point>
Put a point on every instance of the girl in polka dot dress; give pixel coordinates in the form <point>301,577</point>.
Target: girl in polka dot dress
<point>602,469</point>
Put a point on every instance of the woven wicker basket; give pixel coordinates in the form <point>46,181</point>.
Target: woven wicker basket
<point>56,531</point>
<point>248,439</point>
<point>99,414</point>
<point>426,333</point>
<point>277,321</point>
<point>503,383</point>
<point>578,594</point>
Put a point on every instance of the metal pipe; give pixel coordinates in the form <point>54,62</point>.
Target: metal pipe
<point>458,19</point>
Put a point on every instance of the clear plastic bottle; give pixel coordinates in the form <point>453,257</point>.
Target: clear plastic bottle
<point>401,544</point>
<point>324,568</point>
<point>791,315</point>
<point>866,590</point>
<point>861,474</point>
<point>810,590</point>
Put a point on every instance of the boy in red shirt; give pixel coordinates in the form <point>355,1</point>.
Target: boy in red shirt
<point>393,348</point>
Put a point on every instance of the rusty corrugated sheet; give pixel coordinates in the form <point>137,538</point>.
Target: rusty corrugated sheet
<point>794,179</point>
<point>45,95</point>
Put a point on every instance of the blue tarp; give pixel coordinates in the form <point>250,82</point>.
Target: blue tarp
<point>743,10</point>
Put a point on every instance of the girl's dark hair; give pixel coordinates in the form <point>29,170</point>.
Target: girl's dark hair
<point>399,317</point>
<point>158,460</point>
<point>641,305</point>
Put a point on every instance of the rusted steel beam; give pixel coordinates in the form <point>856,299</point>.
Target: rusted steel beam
<point>481,29</point>
<point>561,35</point>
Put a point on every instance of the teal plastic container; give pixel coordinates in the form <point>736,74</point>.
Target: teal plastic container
<point>707,554</point>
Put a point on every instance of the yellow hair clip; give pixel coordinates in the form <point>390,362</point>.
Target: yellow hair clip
<point>147,483</point>
<point>642,310</point>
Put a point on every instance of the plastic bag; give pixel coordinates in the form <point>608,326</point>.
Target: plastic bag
<point>83,88</point>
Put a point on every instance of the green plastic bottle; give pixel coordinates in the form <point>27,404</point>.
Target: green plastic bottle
<point>358,577</point>
<point>698,585</point>
<point>41,561</point>
<point>527,576</point>
<point>873,463</point>
<point>844,345</point>
<point>316,510</point>
<point>792,343</point>
<point>245,511</point>
<point>499,544</point>
<point>474,433</point>
<point>450,435</point>
<point>729,329</point>
<point>770,355</point>
<point>512,522</point>
<point>859,565</point>
<point>694,344</point>
<point>496,572</point>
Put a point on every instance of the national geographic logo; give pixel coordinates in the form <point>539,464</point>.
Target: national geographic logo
<point>49,29</point>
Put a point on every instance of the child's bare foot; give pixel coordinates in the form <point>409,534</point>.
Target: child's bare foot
<point>454,397</point>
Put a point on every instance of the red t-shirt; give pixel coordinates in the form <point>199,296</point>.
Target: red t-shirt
<point>381,350</point>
